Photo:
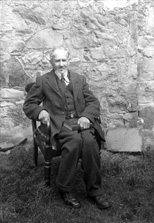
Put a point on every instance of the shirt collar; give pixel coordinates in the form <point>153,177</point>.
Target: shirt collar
<point>59,75</point>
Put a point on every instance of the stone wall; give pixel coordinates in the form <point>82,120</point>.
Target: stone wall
<point>146,69</point>
<point>111,43</point>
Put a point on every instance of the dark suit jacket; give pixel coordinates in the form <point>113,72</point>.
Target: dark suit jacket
<point>46,90</point>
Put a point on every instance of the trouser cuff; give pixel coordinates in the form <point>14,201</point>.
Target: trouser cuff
<point>63,188</point>
<point>95,193</point>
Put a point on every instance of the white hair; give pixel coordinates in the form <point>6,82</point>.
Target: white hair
<point>61,47</point>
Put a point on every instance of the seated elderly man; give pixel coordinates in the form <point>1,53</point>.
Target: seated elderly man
<point>66,96</point>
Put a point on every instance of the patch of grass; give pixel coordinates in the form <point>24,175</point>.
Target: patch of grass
<point>127,180</point>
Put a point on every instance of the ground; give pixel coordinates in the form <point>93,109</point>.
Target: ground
<point>127,179</point>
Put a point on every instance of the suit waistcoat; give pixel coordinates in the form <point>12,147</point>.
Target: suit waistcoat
<point>67,95</point>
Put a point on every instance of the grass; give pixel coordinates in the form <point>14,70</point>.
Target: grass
<point>128,182</point>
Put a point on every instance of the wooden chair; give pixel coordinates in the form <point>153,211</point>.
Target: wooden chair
<point>47,150</point>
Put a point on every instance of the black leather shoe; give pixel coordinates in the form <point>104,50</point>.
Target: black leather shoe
<point>100,203</point>
<point>70,200</point>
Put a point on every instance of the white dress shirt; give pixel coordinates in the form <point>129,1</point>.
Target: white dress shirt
<point>63,75</point>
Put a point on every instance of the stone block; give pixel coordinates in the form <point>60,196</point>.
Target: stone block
<point>16,73</point>
<point>6,104</point>
<point>130,119</point>
<point>46,38</point>
<point>14,135</point>
<point>30,15</point>
<point>124,140</point>
<point>148,138</point>
<point>147,114</point>
<point>8,93</point>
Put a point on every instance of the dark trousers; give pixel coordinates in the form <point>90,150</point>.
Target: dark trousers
<point>77,145</point>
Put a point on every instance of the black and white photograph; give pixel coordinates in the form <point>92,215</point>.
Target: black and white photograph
<point>76,111</point>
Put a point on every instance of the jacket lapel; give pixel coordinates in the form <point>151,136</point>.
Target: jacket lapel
<point>75,83</point>
<point>51,81</point>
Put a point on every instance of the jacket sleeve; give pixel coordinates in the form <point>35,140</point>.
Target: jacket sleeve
<point>35,96</point>
<point>92,105</point>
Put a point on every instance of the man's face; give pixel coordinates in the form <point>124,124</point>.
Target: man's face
<point>60,60</point>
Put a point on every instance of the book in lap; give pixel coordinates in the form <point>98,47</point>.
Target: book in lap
<point>72,124</point>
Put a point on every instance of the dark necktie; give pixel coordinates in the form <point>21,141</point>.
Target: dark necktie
<point>63,80</point>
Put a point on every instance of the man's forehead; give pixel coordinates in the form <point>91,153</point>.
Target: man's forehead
<point>60,53</point>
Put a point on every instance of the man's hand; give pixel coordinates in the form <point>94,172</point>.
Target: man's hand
<point>44,117</point>
<point>84,123</point>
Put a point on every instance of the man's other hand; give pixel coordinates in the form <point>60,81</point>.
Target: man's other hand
<point>44,117</point>
<point>84,123</point>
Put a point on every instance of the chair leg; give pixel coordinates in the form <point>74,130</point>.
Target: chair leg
<point>35,152</point>
<point>47,172</point>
